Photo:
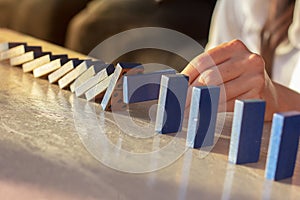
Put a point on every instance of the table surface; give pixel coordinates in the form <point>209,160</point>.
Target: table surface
<point>49,150</point>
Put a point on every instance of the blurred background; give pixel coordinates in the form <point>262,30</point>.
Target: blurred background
<point>80,25</point>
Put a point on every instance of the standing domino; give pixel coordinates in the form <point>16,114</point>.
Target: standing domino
<point>283,145</point>
<point>171,103</point>
<point>247,128</point>
<point>203,115</point>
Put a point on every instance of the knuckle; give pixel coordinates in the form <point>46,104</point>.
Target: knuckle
<point>202,60</point>
<point>257,59</point>
<point>237,44</point>
<point>206,77</point>
<point>211,76</point>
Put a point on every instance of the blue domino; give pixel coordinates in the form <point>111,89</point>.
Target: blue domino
<point>171,103</point>
<point>62,57</point>
<point>33,48</point>
<point>247,128</point>
<point>143,87</point>
<point>37,54</point>
<point>283,145</point>
<point>202,117</point>
<point>15,44</point>
<point>120,70</point>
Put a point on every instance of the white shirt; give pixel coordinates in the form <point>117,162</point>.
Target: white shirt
<point>244,19</point>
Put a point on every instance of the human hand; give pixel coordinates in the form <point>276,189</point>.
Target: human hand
<point>240,74</point>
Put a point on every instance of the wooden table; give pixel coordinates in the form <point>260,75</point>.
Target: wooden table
<point>43,152</point>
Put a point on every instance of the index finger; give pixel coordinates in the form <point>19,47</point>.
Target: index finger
<point>213,57</point>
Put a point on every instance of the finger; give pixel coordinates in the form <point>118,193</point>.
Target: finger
<point>214,57</point>
<point>222,73</point>
<point>197,66</point>
<point>242,85</point>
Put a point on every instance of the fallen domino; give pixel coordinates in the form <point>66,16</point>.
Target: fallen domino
<point>113,96</point>
<point>171,103</point>
<point>143,87</point>
<point>13,52</point>
<point>55,63</point>
<point>9,45</point>
<point>96,67</point>
<point>31,53</point>
<point>283,145</point>
<point>100,76</point>
<point>63,70</point>
<point>37,62</point>
<point>97,92</point>
<point>202,116</point>
<point>247,128</point>
<point>67,79</point>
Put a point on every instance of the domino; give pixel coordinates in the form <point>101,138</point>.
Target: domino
<point>143,87</point>
<point>171,103</point>
<point>67,79</point>
<point>12,52</point>
<point>42,60</point>
<point>247,128</point>
<point>55,63</point>
<point>97,92</point>
<point>96,67</point>
<point>283,145</point>
<point>63,70</point>
<point>113,97</point>
<point>202,116</point>
<point>31,53</point>
<point>100,76</point>
<point>8,45</point>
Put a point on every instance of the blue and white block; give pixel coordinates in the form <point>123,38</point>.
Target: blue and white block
<point>31,52</point>
<point>247,129</point>
<point>8,45</point>
<point>203,116</point>
<point>171,103</point>
<point>143,87</point>
<point>96,67</point>
<point>283,145</point>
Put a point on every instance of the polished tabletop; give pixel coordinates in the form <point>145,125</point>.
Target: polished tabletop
<point>54,145</point>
